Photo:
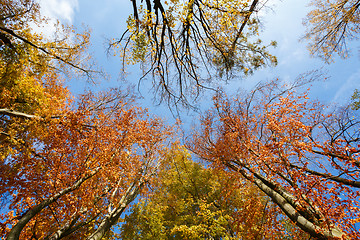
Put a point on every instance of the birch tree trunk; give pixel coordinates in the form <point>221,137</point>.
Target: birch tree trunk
<point>114,214</point>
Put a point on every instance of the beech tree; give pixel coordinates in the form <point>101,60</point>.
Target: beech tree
<point>331,24</point>
<point>32,69</point>
<point>304,158</point>
<point>189,201</point>
<point>19,40</point>
<point>184,43</point>
<point>80,175</point>
<point>67,168</point>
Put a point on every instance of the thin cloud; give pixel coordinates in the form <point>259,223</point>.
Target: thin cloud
<point>55,10</point>
<point>347,88</point>
<point>59,9</point>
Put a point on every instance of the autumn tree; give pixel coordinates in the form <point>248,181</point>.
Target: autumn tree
<point>355,104</point>
<point>182,44</point>
<point>79,177</point>
<point>330,25</point>
<point>298,152</point>
<point>19,39</point>
<point>31,70</point>
<point>68,169</point>
<point>189,201</point>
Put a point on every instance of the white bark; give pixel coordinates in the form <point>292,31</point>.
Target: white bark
<point>112,217</point>
<point>296,217</point>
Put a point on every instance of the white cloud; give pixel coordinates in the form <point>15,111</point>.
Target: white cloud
<point>63,10</point>
<point>55,10</point>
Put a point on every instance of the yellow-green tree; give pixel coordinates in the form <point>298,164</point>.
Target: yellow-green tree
<point>184,43</point>
<point>330,25</point>
<point>355,105</point>
<point>31,68</point>
<point>190,201</point>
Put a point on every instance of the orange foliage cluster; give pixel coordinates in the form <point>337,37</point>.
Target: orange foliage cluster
<point>106,141</point>
<point>65,166</point>
<point>306,161</point>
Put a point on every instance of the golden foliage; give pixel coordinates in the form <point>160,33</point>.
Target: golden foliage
<point>183,44</point>
<point>330,25</point>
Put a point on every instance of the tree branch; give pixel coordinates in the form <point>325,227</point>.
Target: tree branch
<point>14,233</point>
<point>12,33</point>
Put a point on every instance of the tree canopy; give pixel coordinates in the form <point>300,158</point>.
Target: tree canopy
<point>305,160</point>
<point>32,67</point>
<point>189,201</point>
<point>185,45</point>
<point>263,164</point>
<point>83,171</point>
<point>331,24</point>
<point>67,167</point>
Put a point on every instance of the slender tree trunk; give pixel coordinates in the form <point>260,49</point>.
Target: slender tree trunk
<point>114,215</point>
<point>69,227</point>
<point>64,230</point>
<point>14,233</point>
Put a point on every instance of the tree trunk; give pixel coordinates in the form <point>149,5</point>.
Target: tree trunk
<point>296,216</point>
<point>14,233</point>
<point>115,214</point>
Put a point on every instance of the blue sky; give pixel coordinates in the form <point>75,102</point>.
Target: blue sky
<point>282,23</point>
